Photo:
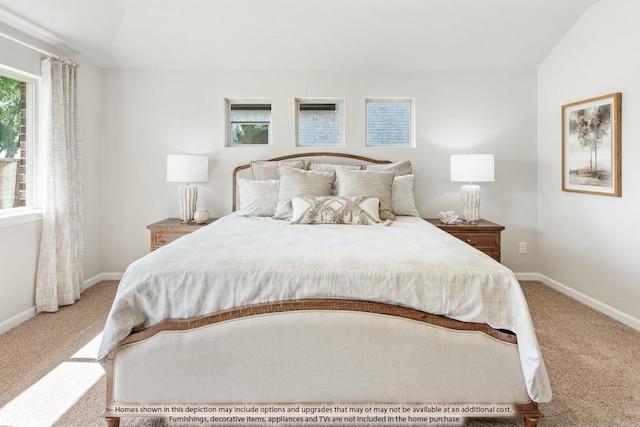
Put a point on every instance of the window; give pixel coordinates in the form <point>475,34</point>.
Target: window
<point>16,133</point>
<point>249,123</point>
<point>390,122</point>
<point>319,122</point>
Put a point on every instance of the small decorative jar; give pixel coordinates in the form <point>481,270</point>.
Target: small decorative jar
<point>201,216</point>
<point>448,217</point>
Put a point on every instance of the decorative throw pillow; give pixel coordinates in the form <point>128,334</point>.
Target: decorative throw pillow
<point>399,168</point>
<point>361,210</point>
<point>299,183</point>
<point>257,198</point>
<point>331,167</point>
<point>268,169</point>
<point>402,200</point>
<point>367,183</point>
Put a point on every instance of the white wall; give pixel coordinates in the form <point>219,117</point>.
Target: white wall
<point>149,114</point>
<point>18,262</point>
<point>589,244</point>
<point>91,113</point>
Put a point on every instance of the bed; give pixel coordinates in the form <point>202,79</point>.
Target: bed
<point>365,308</point>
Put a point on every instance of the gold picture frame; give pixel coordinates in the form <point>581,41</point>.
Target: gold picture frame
<point>591,146</point>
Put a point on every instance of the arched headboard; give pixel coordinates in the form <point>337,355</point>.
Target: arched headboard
<point>244,171</point>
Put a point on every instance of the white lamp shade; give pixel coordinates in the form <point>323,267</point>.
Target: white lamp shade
<point>472,168</point>
<point>187,168</point>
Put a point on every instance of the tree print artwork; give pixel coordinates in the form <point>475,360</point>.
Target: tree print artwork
<point>591,146</point>
<point>591,128</point>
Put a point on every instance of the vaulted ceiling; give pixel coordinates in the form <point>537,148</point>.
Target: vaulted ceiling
<point>301,34</point>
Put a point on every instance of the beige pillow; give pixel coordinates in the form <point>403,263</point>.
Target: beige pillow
<point>361,210</point>
<point>300,183</point>
<point>268,169</point>
<point>402,200</point>
<point>399,168</point>
<point>367,183</point>
<point>331,167</point>
<point>328,167</point>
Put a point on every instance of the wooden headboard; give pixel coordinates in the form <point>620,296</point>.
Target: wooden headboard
<point>244,171</point>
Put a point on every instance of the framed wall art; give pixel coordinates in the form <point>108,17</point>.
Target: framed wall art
<point>591,146</point>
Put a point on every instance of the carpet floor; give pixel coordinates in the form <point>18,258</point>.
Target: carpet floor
<point>49,377</point>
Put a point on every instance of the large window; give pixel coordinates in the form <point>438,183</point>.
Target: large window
<point>390,122</point>
<point>16,133</point>
<point>249,123</point>
<point>319,122</point>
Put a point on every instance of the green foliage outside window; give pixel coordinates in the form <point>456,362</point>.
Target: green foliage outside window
<point>10,95</point>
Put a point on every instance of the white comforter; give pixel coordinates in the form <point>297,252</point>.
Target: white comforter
<point>238,261</point>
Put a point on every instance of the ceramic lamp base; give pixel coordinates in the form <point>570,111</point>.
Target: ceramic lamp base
<point>188,198</point>
<point>470,196</point>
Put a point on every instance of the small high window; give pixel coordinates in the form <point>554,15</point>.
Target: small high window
<point>390,122</point>
<point>249,123</point>
<point>319,122</point>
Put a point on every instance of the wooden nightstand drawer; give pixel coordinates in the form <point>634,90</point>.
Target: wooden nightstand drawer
<point>170,229</point>
<point>479,240</point>
<point>484,236</point>
<point>161,239</point>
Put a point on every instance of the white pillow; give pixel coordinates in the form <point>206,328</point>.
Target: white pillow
<point>257,198</point>
<point>367,183</point>
<point>361,210</point>
<point>402,200</point>
<point>299,183</point>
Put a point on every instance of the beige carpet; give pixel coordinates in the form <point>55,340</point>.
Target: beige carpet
<point>593,362</point>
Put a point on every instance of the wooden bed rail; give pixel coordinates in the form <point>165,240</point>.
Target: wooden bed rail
<point>318,304</point>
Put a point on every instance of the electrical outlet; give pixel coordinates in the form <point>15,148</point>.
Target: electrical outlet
<point>523,247</point>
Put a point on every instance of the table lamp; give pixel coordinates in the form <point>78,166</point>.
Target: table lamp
<point>187,169</point>
<point>471,168</point>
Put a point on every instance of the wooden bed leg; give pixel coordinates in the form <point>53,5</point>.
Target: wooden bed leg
<point>113,421</point>
<point>531,421</point>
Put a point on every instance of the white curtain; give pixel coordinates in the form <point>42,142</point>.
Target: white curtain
<point>59,273</point>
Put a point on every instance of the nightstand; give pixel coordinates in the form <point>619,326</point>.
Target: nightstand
<point>170,229</point>
<point>484,236</point>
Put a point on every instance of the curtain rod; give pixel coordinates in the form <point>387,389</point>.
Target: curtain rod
<point>27,45</point>
<point>13,25</point>
<point>53,56</point>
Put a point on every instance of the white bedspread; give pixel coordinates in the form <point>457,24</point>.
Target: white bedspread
<point>237,261</point>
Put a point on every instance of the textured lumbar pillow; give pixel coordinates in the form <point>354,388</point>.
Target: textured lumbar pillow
<point>335,210</point>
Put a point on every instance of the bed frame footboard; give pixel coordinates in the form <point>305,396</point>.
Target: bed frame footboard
<point>310,351</point>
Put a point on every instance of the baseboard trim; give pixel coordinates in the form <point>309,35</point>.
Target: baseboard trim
<point>19,318</point>
<point>27,314</point>
<point>592,302</point>
<point>530,277</point>
<point>101,277</point>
